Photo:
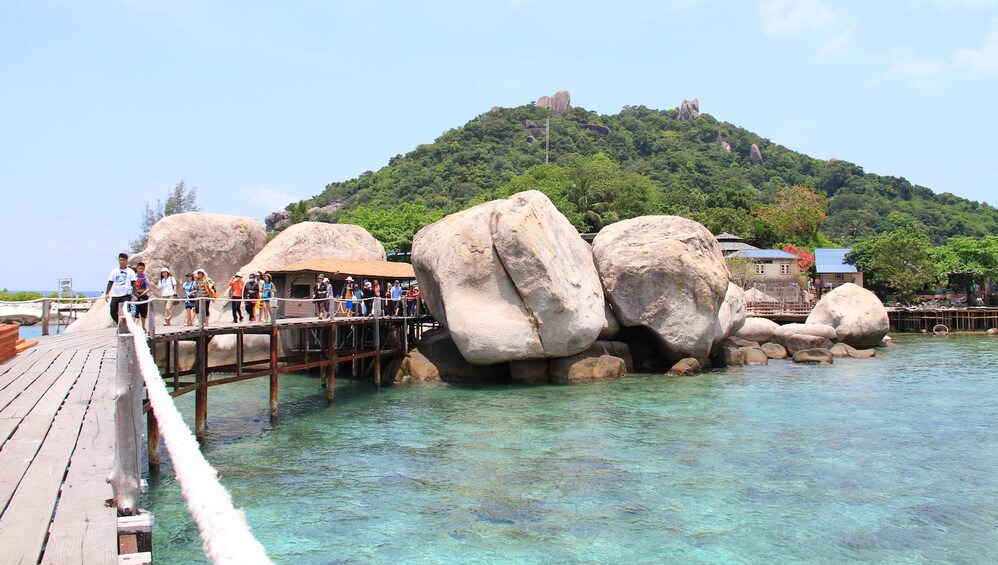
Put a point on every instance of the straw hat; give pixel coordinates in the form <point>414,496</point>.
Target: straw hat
<point>350,279</point>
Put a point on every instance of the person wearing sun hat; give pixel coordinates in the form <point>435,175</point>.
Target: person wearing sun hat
<point>167,286</point>
<point>236,286</point>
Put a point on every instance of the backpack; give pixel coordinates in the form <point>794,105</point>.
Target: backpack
<point>209,287</point>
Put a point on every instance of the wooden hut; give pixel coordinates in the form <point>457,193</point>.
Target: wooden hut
<point>294,281</point>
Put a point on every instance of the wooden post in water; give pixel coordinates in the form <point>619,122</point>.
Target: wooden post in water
<point>46,308</point>
<point>152,435</point>
<point>377,354</point>
<point>239,352</point>
<point>273,373</point>
<point>331,374</point>
<point>356,342</point>
<point>126,473</point>
<point>201,393</point>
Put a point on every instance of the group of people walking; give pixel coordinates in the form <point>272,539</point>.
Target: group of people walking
<point>131,285</point>
<point>367,298</point>
<point>256,295</point>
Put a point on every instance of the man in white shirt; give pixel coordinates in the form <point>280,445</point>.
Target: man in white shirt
<point>168,290</point>
<point>120,285</point>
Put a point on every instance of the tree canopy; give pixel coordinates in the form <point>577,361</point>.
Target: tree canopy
<point>179,199</point>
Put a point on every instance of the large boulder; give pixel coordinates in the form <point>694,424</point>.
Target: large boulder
<point>759,330</point>
<point>436,358</point>
<point>217,243</point>
<point>512,280</point>
<point>731,316</point>
<point>815,356</point>
<point>685,367</point>
<point>310,240</point>
<point>559,103</point>
<point>774,350</point>
<point>664,273</point>
<point>858,316</point>
<point>755,155</point>
<point>689,110</point>
<point>799,342</point>
<point>820,330</point>
<point>755,356</point>
<point>582,369</point>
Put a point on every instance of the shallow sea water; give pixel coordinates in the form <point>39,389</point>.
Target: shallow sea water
<point>889,460</point>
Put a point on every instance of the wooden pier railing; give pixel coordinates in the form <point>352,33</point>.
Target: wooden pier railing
<point>973,319</point>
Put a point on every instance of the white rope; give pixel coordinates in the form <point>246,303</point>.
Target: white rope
<point>226,536</point>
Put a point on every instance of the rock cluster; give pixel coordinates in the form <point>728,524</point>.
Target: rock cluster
<point>689,109</point>
<point>559,103</point>
<point>519,292</point>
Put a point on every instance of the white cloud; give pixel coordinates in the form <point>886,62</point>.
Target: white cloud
<point>983,60</point>
<point>831,30</point>
<point>906,62</point>
<point>954,5</point>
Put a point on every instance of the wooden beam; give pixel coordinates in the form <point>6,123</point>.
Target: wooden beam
<point>273,372</point>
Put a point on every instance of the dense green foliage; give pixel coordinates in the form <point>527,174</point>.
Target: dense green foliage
<point>968,260</point>
<point>649,163</point>
<point>179,199</point>
<point>899,261</point>
<point>23,296</point>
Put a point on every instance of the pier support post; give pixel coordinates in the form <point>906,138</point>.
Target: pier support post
<point>273,373</point>
<point>152,433</point>
<point>331,373</point>
<point>46,309</point>
<point>377,354</point>
<point>201,394</point>
<point>126,473</point>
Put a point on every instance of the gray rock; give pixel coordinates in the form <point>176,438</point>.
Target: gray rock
<point>757,329</point>
<point>723,144</point>
<point>584,368</point>
<point>840,350</point>
<point>820,330</point>
<point>436,358</point>
<point>312,240</point>
<point>689,109</point>
<point>862,353</point>
<point>601,130</point>
<point>727,356</point>
<point>774,350</point>
<point>519,285</point>
<point>813,356</point>
<point>858,316</point>
<point>799,342</point>
<point>731,314</point>
<point>739,342</point>
<point>560,103</point>
<point>687,366</point>
<point>664,273</point>
<point>754,356</point>
<point>276,219</point>
<point>992,331</point>
<point>756,155</point>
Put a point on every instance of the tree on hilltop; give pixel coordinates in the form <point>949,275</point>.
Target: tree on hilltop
<point>180,199</point>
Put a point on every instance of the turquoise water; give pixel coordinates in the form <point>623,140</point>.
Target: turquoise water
<point>886,460</point>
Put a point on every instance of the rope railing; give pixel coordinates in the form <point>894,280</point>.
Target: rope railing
<point>224,532</point>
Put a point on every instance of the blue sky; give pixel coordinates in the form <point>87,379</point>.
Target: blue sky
<point>105,105</point>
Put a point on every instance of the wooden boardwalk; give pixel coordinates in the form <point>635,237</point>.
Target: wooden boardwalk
<point>56,451</point>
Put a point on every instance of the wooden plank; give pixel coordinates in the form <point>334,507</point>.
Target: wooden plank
<point>14,367</point>
<point>19,451</point>
<point>7,427</point>
<point>24,524</point>
<point>84,529</point>
<point>71,361</point>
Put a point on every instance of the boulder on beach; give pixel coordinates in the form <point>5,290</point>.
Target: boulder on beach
<point>858,316</point>
<point>760,330</point>
<point>754,356</point>
<point>667,274</point>
<point>799,342</point>
<point>311,240</point>
<point>731,315</point>
<point>817,355</point>
<point>218,243</point>
<point>583,368</point>
<point>685,367</point>
<point>774,350</point>
<point>436,358</point>
<point>820,330</point>
<point>512,280</point>
<point>727,355</point>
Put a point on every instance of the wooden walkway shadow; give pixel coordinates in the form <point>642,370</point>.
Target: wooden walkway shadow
<point>56,451</point>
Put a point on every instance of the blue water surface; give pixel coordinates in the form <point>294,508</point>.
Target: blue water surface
<point>888,460</point>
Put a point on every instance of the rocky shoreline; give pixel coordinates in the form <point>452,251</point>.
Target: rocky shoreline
<point>522,298</point>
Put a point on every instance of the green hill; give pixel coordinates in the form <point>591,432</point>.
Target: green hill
<point>639,161</point>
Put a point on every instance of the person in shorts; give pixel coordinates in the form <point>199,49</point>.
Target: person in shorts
<point>141,296</point>
<point>190,299</point>
<point>120,286</point>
